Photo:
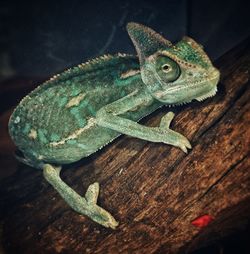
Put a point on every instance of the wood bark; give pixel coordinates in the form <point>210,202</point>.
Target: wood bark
<point>155,191</point>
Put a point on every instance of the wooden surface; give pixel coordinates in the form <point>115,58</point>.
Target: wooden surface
<point>155,191</point>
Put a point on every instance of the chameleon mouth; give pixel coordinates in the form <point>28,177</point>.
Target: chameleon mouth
<point>207,95</point>
<point>200,98</point>
<point>203,89</point>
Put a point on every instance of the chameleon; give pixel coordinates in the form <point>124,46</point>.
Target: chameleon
<point>77,112</point>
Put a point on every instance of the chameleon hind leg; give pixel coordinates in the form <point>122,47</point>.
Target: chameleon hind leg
<point>84,205</point>
<point>113,116</point>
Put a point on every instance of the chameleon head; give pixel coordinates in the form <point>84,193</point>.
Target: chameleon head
<point>173,74</point>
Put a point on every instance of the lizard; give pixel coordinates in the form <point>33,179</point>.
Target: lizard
<point>77,112</point>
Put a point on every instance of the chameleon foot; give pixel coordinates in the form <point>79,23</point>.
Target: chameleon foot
<point>172,137</point>
<point>84,205</point>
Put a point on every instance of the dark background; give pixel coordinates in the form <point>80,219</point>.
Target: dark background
<point>41,38</point>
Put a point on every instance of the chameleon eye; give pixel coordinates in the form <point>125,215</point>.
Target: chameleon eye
<point>167,69</point>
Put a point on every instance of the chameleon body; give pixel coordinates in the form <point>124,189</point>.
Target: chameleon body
<point>79,111</point>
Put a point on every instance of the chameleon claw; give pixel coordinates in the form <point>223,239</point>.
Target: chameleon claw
<point>97,213</point>
<point>188,145</point>
<point>102,217</point>
<point>92,193</point>
<point>184,149</point>
<point>173,137</point>
<point>183,144</point>
<point>166,120</point>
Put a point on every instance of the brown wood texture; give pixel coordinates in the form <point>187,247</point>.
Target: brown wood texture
<point>155,191</point>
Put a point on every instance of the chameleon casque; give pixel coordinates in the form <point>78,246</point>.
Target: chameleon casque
<point>79,111</point>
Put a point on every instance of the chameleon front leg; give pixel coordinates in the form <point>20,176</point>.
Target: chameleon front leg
<point>109,117</point>
<point>83,205</point>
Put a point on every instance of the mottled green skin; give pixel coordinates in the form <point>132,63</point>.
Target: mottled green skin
<point>45,111</point>
<point>79,111</point>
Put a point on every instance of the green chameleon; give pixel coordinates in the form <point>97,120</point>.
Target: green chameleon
<point>79,111</point>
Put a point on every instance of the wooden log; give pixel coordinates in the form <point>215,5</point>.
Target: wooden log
<point>154,190</point>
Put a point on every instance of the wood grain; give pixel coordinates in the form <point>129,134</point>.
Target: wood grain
<point>154,190</point>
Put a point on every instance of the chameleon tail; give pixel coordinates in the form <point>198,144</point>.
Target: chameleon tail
<point>84,205</point>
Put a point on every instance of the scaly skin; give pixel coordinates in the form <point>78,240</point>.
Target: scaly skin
<point>79,111</point>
